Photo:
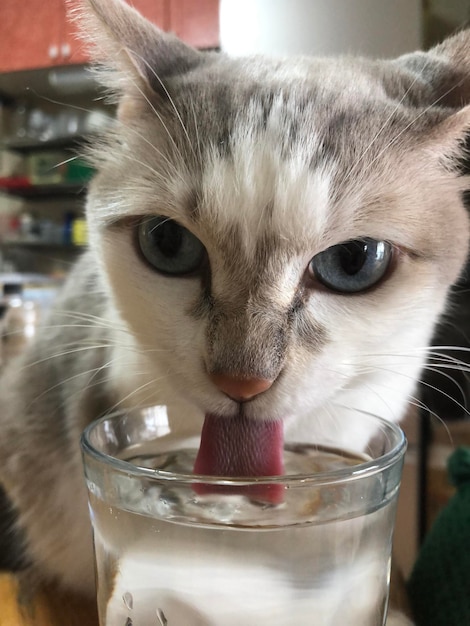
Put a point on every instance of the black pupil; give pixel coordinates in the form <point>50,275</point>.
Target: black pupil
<point>168,238</point>
<point>352,257</point>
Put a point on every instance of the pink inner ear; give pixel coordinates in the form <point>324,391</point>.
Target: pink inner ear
<point>241,447</point>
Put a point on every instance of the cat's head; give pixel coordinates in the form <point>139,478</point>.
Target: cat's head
<point>279,235</point>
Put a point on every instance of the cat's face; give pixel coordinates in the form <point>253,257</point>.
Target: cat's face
<point>285,221</point>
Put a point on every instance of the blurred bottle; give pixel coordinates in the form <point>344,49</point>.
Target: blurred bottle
<point>19,321</point>
<point>80,232</point>
<point>3,310</point>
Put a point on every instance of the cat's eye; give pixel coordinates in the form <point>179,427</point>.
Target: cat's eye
<point>353,266</point>
<point>169,247</point>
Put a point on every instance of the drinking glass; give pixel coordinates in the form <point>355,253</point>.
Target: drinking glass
<point>311,547</point>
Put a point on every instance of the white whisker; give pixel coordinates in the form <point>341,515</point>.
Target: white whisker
<point>57,355</point>
<point>428,385</point>
<point>160,119</point>
<point>170,99</point>
<point>135,391</point>
<point>64,381</point>
<point>413,121</point>
<point>361,157</point>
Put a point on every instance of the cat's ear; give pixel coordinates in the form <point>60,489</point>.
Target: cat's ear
<point>450,140</point>
<point>441,76</point>
<point>437,83</point>
<point>121,38</point>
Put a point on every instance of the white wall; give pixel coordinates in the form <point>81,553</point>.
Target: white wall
<point>379,28</point>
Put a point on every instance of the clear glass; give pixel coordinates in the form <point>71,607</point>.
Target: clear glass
<point>312,547</point>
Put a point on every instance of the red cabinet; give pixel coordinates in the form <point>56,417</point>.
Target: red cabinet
<point>36,33</point>
<point>157,11</point>
<point>196,22</point>
<point>29,33</point>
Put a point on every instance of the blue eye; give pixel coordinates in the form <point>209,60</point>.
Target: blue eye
<point>352,266</point>
<point>169,247</point>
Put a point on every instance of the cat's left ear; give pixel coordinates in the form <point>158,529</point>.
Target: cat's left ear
<point>441,76</point>
<point>437,82</point>
<point>119,37</point>
<point>450,138</point>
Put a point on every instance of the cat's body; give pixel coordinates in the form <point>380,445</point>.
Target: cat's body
<point>268,163</point>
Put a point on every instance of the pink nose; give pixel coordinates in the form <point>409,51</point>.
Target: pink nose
<point>240,389</point>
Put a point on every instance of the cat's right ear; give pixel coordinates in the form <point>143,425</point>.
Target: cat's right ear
<point>120,38</point>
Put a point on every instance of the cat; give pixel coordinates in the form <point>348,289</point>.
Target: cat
<point>268,237</point>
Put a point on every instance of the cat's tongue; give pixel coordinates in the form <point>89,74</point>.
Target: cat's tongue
<point>241,447</point>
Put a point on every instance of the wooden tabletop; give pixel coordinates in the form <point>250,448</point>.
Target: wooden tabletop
<point>50,607</point>
<point>47,607</point>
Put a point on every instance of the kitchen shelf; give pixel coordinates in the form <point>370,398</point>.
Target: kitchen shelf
<point>27,144</point>
<point>25,278</point>
<point>21,187</point>
<point>38,244</point>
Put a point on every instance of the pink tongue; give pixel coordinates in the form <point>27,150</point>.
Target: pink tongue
<point>241,447</point>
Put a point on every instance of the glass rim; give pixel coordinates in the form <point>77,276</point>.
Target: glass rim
<point>343,475</point>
